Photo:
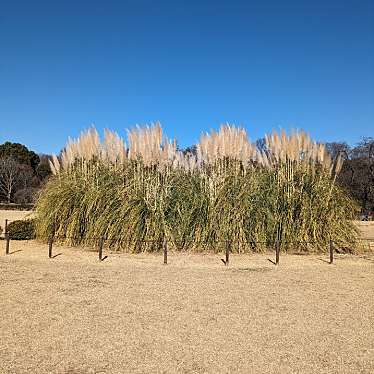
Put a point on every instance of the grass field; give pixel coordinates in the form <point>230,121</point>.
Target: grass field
<point>366,229</point>
<point>131,314</point>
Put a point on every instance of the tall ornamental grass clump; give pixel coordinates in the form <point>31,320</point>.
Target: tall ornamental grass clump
<point>228,191</point>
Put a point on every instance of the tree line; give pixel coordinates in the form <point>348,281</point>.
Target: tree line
<point>23,172</point>
<point>357,174</point>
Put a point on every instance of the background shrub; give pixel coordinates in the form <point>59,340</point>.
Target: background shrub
<point>12,206</point>
<point>22,229</point>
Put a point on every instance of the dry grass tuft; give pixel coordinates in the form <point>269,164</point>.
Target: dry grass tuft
<point>228,191</point>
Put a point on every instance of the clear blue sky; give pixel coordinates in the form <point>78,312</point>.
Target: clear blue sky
<point>189,64</point>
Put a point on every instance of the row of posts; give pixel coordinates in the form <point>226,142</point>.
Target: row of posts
<point>164,247</point>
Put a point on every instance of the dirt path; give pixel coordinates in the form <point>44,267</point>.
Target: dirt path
<point>131,314</point>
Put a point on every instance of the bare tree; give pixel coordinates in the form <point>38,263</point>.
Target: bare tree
<point>365,149</point>
<point>341,149</point>
<point>10,175</point>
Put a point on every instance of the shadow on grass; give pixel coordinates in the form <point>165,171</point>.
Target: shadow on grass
<point>323,260</point>
<point>254,270</point>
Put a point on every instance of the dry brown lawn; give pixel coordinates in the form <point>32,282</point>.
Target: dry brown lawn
<point>132,314</point>
<point>366,229</point>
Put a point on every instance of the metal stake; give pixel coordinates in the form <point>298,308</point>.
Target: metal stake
<point>50,244</point>
<point>277,250</point>
<point>7,241</point>
<point>227,257</point>
<point>101,245</point>
<point>165,252</point>
<point>331,252</point>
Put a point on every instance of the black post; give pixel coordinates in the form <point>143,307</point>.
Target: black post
<point>101,245</point>
<point>277,250</point>
<point>228,247</point>
<point>50,244</point>
<point>50,241</point>
<point>165,245</point>
<point>7,240</point>
<point>331,252</point>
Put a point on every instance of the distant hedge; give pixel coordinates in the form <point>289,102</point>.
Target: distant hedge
<point>6,206</point>
<point>22,229</point>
